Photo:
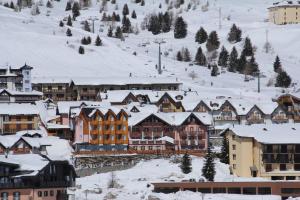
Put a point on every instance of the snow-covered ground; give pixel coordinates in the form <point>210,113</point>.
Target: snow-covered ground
<point>133,182</point>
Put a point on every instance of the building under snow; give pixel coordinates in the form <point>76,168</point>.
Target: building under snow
<point>285,12</point>
<point>265,150</point>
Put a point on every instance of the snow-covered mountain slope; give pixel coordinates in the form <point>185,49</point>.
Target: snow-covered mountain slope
<point>39,41</point>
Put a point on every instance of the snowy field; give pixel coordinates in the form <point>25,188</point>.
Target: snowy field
<point>132,183</point>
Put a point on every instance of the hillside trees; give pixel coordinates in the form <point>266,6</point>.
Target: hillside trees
<point>180,29</point>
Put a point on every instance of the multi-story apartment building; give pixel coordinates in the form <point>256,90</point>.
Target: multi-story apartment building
<point>17,117</point>
<point>32,176</point>
<point>271,151</point>
<point>285,12</point>
<point>90,88</point>
<point>98,128</point>
<point>185,130</point>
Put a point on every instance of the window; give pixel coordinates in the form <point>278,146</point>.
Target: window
<point>233,147</point>
<point>264,190</point>
<point>249,190</point>
<point>268,167</point>
<point>282,167</point>
<point>297,167</point>
<point>234,190</point>
<point>283,148</point>
<point>45,193</point>
<point>4,196</point>
<point>233,156</point>
<point>219,190</point>
<point>51,193</point>
<point>234,166</point>
<point>16,196</point>
<point>40,194</point>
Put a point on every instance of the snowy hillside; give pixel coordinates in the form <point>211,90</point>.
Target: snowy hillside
<point>39,41</point>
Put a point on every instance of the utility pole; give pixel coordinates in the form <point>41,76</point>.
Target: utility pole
<point>220,18</point>
<point>93,19</point>
<point>267,41</point>
<point>258,82</point>
<point>159,42</point>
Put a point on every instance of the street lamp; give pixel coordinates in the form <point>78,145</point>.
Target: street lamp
<point>159,42</point>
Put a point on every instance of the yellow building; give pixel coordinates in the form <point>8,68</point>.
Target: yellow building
<point>265,150</point>
<point>285,12</point>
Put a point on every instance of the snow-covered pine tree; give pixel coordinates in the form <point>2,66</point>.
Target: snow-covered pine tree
<point>235,34</point>
<point>86,26</point>
<point>75,10</point>
<point>69,33</point>
<point>49,4</point>
<point>248,49</point>
<point>81,50</point>
<point>125,10</point>
<point>69,21</point>
<point>119,33</point>
<point>251,66</point>
<point>154,25</point>
<point>277,65</point>
<point>179,56</point>
<point>98,41</point>
<point>186,165</point>
<point>200,58</point>
<point>201,36</point>
<point>110,32</point>
<point>213,42</point>
<point>241,63</point>
<point>214,70</point>
<point>223,57</point>
<point>224,156</point>
<point>68,6</point>
<point>133,14</point>
<point>283,80</point>
<point>126,25</point>
<point>233,60</point>
<point>143,3</point>
<point>208,170</point>
<point>180,29</point>
<point>186,55</point>
<point>61,24</point>
<point>166,23</point>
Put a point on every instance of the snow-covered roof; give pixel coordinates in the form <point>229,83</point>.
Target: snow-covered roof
<point>26,162</point>
<point>18,109</point>
<point>286,3</point>
<point>22,93</point>
<point>174,118</point>
<point>167,139</point>
<point>42,133</point>
<point>269,133</point>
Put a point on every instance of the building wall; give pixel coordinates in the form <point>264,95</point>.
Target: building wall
<point>284,15</point>
<point>10,124</point>
<point>35,194</point>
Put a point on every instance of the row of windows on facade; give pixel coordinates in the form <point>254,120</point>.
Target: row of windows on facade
<point>168,129</point>
<point>107,127</point>
<point>109,117</point>
<point>278,148</point>
<point>109,137</point>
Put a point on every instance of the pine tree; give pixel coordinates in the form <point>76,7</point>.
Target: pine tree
<point>200,58</point>
<point>69,33</point>
<point>98,41</point>
<point>110,32</point>
<point>75,10</point>
<point>61,24</point>
<point>213,42</point>
<point>166,23</point>
<point>235,34</point>
<point>179,56</point>
<point>251,66</point>
<point>68,6</point>
<point>49,4</point>
<point>69,22</point>
<point>81,50</point>
<point>186,55</point>
<point>119,33</point>
<point>143,3</point>
<point>154,25</point>
<point>125,9</point>
<point>89,40</point>
<point>84,41</point>
<point>180,30</point>
<point>223,57</point>
<point>225,151</point>
<point>208,170</point>
<point>12,5</point>
<point>126,25</point>
<point>186,165</point>
<point>277,65</point>
<point>133,14</point>
<point>233,60</point>
<point>214,70</point>
<point>86,26</point>
<point>241,63</point>
<point>201,36</point>
<point>283,80</point>
<point>248,49</point>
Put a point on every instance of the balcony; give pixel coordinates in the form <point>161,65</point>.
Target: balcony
<point>44,184</point>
